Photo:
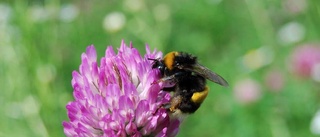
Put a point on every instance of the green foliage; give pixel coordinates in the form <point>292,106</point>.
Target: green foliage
<point>39,51</point>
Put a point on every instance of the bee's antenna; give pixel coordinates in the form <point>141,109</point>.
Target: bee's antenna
<point>152,59</point>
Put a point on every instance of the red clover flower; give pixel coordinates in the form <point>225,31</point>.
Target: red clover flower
<point>304,59</point>
<point>119,97</point>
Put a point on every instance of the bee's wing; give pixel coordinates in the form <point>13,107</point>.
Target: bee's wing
<point>208,74</point>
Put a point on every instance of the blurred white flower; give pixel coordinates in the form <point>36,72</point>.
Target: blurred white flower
<point>315,124</point>
<point>114,22</point>
<point>30,106</point>
<point>291,32</point>
<point>161,12</point>
<point>247,91</point>
<point>5,13</point>
<point>68,12</point>
<point>27,107</point>
<point>257,58</point>
<point>133,5</point>
<point>38,13</point>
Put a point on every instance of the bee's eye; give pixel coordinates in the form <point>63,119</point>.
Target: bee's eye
<point>155,65</point>
<point>158,65</point>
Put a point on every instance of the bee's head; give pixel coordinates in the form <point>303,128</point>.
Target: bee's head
<point>158,64</point>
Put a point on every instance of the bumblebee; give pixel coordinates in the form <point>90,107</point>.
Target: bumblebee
<point>189,81</point>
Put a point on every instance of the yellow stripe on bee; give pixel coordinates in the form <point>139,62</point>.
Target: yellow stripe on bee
<point>169,59</point>
<point>198,97</point>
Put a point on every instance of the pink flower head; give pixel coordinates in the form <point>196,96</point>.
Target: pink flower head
<point>247,91</point>
<point>304,58</point>
<point>274,80</point>
<point>119,98</point>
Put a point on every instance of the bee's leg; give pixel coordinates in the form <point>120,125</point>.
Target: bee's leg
<point>172,106</point>
<point>175,103</point>
<point>166,106</point>
<point>171,77</point>
<point>169,107</point>
<point>165,79</point>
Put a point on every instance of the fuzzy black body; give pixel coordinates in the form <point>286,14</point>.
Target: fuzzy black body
<point>186,88</point>
<point>189,77</point>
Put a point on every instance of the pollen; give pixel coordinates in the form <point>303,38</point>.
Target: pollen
<point>198,97</point>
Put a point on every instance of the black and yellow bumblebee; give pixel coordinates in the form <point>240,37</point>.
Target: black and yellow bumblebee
<point>189,81</point>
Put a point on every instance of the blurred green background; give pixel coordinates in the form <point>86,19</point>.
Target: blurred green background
<point>248,42</point>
